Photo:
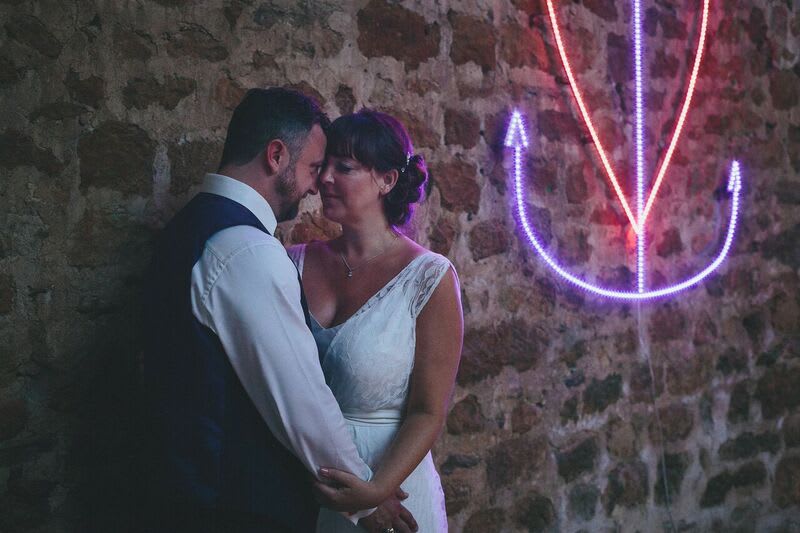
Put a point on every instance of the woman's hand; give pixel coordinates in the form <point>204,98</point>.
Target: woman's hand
<point>343,491</point>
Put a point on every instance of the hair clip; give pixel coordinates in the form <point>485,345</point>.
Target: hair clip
<point>408,159</point>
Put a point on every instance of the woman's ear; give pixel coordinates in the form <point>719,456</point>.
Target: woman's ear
<point>276,157</point>
<point>387,181</point>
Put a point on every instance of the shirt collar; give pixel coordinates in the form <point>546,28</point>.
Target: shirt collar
<point>243,194</point>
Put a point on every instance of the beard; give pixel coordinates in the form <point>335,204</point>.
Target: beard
<point>287,191</point>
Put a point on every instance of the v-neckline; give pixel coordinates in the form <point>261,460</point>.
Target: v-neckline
<point>368,300</point>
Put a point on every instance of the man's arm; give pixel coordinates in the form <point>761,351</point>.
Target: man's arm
<point>250,297</point>
<point>251,300</point>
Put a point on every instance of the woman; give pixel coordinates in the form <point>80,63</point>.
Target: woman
<point>386,315</point>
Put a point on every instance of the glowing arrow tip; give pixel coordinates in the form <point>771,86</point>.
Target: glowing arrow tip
<point>735,181</point>
<point>516,136</point>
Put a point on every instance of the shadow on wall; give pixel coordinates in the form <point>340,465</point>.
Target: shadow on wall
<point>104,453</point>
<point>104,457</point>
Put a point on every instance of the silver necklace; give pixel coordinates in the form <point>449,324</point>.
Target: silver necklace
<point>350,269</point>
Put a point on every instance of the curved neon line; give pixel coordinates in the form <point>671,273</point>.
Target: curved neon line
<point>637,223</point>
<point>734,186</point>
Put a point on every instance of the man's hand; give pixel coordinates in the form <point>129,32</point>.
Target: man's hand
<point>390,514</point>
<point>342,491</point>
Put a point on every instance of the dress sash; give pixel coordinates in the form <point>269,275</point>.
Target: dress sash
<point>380,417</point>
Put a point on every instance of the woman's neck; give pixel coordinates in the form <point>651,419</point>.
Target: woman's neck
<point>367,239</point>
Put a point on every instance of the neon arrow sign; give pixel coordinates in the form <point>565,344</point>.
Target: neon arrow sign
<point>517,138</point>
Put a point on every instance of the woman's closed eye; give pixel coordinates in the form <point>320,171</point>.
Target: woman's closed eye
<point>343,168</point>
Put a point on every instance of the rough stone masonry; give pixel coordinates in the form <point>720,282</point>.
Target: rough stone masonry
<point>112,111</point>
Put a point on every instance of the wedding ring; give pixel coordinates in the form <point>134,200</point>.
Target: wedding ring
<point>388,530</point>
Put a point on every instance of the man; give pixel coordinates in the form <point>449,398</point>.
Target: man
<point>240,410</point>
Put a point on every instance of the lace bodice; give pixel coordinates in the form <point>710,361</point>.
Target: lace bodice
<point>368,359</point>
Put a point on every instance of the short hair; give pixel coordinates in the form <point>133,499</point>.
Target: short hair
<point>380,142</point>
<point>264,115</point>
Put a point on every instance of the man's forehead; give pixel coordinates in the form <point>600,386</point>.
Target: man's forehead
<point>318,138</point>
<point>316,141</point>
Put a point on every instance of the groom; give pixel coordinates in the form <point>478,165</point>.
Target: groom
<point>240,412</point>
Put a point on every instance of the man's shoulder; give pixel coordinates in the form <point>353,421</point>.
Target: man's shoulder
<point>231,242</point>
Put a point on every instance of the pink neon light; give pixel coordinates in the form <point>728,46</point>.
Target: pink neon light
<point>636,224</point>
<point>579,99</point>
<point>681,119</point>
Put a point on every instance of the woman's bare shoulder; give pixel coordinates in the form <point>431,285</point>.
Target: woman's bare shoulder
<point>413,249</point>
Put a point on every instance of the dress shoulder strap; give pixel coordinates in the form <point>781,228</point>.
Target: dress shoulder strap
<point>429,272</point>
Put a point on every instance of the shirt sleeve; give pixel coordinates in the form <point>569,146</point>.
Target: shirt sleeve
<point>251,300</point>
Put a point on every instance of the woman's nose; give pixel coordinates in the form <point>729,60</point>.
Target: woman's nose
<point>326,176</point>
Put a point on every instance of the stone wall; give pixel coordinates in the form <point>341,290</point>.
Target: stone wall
<point>111,112</point>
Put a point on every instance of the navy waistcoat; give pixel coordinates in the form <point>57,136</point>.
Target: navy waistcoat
<point>210,447</point>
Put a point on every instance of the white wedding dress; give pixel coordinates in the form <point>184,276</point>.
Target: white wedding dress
<point>367,361</point>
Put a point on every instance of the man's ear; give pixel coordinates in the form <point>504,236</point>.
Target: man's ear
<point>387,181</point>
<point>276,157</point>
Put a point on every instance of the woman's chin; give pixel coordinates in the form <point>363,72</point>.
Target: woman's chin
<point>331,213</point>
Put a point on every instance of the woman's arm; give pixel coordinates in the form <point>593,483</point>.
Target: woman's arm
<point>440,330</point>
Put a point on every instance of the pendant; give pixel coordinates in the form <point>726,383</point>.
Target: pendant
<point>349,273</point>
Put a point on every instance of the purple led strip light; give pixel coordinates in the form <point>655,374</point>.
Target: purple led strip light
<point>517,138</point>
<point>637,47</point>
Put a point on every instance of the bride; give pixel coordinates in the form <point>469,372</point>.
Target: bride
<point>386,316</point>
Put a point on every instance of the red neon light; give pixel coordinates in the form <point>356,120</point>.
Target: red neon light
<point>684,111</point>
<point>636,225</point>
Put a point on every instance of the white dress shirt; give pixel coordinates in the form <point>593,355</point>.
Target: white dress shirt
<point>245,289</point>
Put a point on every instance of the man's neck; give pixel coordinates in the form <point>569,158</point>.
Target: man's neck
<point>256,180</point>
